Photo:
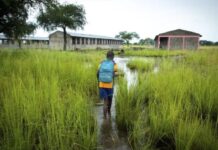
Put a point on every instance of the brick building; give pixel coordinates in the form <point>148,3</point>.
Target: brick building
<point>177,39</point>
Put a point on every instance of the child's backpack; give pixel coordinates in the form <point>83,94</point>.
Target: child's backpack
<point>106,71</point>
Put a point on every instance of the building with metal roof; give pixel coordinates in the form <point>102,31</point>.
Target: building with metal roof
<point>177,39</point>
<point>83,41</point>
<point>26,42</point>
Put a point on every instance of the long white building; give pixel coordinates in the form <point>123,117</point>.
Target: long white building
<point>75,41</point>
<point>26,42</point>
<point>83,41</point>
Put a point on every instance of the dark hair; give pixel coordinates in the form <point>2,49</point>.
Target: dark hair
<point>110,54</point>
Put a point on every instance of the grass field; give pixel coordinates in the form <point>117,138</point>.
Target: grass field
<point>47,100</point>
<point>141,65</point>
<point>176,108</point>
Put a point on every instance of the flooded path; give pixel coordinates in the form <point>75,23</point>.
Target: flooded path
<point>109,137</point>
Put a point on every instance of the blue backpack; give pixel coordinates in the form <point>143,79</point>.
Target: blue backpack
<point>106,71</point>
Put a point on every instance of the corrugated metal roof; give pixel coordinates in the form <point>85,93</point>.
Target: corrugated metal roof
<point>89,36</point>
<point>180,32</point>
<point>36,38</point>
<point>2,36</point>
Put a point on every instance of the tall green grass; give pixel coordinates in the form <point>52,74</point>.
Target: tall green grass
<point>154,53</point>
<point>46,100</point>
<point>141,65</point>
<point>175,108</point>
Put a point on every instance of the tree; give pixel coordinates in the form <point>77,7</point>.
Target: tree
<point>216,43</point>
<point>147,41</point>
<point>206,43</point>
<point>142,42</point>
<point>22,29</point>
<point>14,15</point>
<point>63,16</point>
<point>127,36</point>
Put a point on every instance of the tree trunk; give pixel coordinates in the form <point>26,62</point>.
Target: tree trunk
<point>65,38</point>
<point>19,43</point>
<point>127,42</point>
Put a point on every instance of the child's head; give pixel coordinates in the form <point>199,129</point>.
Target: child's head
<point>110,55</point>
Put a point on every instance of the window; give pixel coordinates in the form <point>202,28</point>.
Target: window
<point>87,41</point>
<point>78,40</point>
<point>83,41</point>
<point>28,42</point>
<point>73,40</point>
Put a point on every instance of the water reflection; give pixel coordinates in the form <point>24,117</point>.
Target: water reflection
<point>131,76</point>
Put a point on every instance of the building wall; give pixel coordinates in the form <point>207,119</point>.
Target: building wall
<point>56,41</point>
<point>73,43</point>
<point>31,44</point>
<point>176,43</point>
<point>191,43</point>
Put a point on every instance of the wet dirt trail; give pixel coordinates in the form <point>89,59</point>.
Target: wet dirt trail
<point>109,137</point>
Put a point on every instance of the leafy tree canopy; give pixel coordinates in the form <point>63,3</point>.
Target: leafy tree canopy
<point>14,15</point>
<point>64,16</point>
<point>147,41</point>
<point>206,43</point>
<point>127,36</point>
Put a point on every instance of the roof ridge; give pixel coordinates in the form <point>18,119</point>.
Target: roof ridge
<point>89,35</point>
<point>179,32</point>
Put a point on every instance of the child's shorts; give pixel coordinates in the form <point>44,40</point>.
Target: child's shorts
<point>106,93</point>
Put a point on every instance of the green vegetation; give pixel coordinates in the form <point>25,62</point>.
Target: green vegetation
<point>141,65</point>
<point>14,16</point>
<point>46,100</point>
<point>65,16</point>
<point>127,36</point>
<point>176,108</point>
<point>154,53</point>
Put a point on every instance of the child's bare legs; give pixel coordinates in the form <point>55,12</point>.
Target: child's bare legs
<point>105,108</point>
<point>109,105</point>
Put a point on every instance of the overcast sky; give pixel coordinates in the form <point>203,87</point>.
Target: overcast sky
<point>148,17</point>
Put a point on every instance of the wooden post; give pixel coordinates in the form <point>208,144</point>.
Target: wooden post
<point>168,43</point>
<point>198,42</point>
<point>158,42</point>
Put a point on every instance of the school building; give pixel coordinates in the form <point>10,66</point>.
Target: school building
<point>83,41</point>
<point>26,42</point>
<point>177,39</point>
